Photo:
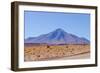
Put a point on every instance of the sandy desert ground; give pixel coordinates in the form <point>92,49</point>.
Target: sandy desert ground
<point>78,56</point>
<point>56,52</point>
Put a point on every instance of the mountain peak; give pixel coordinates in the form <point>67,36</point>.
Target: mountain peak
<point>59,29</point>
<point>58,36</point>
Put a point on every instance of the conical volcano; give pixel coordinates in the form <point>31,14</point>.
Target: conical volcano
<point>58,36</point>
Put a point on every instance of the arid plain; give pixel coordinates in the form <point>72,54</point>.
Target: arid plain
<point>41,52</point>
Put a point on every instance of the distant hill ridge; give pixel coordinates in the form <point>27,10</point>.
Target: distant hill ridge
<point>58,36</point>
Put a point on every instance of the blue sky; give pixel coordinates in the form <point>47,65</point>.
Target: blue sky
<point>37,23</point>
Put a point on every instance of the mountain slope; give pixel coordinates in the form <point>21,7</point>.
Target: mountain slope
<point>58,36</point>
